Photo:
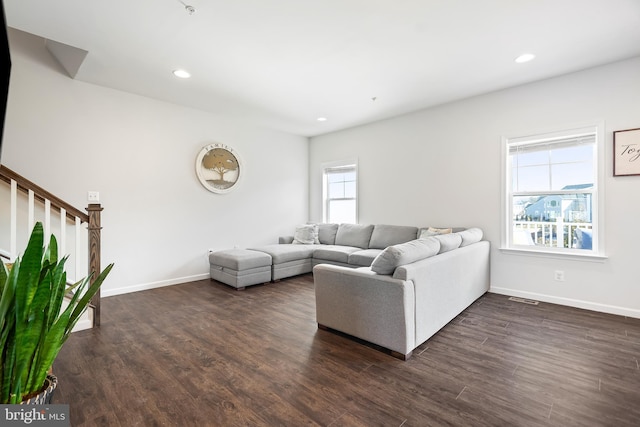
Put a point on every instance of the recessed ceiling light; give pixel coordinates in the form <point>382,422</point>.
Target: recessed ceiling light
<point>322,119</point>
<point>182,74</point>
<point>525,57</point>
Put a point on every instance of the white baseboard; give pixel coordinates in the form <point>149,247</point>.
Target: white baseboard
<point>153,285</point>
<point>83,323</point>
<point>587,305</point>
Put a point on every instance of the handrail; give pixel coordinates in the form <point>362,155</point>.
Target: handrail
<point>91,218</point>
<point>41,194</point>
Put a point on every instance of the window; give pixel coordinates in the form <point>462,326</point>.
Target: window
<point>340,194</point>
<point>552,192</point>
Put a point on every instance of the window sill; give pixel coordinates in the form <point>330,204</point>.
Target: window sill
<point>555,255</point>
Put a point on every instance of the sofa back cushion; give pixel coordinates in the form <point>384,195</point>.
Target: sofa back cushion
<point>389,235</point>
<point>470,235</point>
<point>354,235</point>
<point>448,242</point>
<point>405,253</point>
<point>327,233</point>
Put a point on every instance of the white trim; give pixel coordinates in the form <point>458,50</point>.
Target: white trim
<point>567,254</point>
<point>153,285</point>
<point>85,321</point>
<point>587,305</point>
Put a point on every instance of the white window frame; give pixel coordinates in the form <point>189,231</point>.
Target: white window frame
<point>597,249</point>
<point>334,166</point>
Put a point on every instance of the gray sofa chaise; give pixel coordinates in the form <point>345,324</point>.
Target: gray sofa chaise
<point>408,294</point>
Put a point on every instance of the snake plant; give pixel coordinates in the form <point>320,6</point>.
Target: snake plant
<point>33,326</point>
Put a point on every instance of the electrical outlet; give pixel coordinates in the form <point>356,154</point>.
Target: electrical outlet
<point>559,275</point>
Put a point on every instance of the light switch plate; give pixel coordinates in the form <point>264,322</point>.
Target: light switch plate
<point>93,196</point>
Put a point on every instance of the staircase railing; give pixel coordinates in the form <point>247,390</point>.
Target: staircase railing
<point>85,260</point>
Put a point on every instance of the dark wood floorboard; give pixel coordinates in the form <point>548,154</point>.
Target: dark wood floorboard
<point>204,354</point>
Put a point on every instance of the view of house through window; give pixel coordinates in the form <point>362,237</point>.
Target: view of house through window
<point>340,194</point>
<point>552,192</point>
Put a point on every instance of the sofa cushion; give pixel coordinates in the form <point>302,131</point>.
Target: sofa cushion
<point>239,259</point>
<point>405,253</point>
<point>389,235</point>
<point>470,235</point>
<point>334,253</point>
<point>327,234</point>
<point>306,234</point>
<point>354,235</point>
<point>363,258</point>
<point>286,253</point>
<point>448,242</point>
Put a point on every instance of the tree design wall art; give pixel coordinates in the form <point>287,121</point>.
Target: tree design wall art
<point>218,168</point>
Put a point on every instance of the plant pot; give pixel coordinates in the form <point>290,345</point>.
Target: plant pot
<point>45,395</point>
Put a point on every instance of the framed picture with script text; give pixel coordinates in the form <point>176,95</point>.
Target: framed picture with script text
<point>626,152</point>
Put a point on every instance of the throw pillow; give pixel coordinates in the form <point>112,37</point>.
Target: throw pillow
<point>405,253</point>
<point>440,230</point>
<point>470,235</point>
<point>448,242</point>
<point>305,234</point>
<point>432,231</point>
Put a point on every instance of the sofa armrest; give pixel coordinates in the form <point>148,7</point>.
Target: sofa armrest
<point>361,303</point>
<point>285,239</point>
<point>446,284</point>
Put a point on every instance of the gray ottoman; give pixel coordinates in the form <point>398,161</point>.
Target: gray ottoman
<point>240,267</point>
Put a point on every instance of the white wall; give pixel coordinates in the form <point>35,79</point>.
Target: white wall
<point>442,167</point>
<point>158,221</point>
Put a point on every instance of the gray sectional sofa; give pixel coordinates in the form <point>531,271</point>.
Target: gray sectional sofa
<point>393,286</point>
<point>348,245</point>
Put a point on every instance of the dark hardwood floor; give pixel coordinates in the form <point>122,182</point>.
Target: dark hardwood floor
<point>204,354</point>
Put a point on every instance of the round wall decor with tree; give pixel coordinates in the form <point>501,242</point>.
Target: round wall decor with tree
<point>218,168</point>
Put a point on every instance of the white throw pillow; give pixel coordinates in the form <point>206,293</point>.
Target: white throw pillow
<point>306,234</point>
<point>405,253</point>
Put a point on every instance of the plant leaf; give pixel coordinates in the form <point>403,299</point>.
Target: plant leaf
<point>29,272</point>
<point>86,298</point>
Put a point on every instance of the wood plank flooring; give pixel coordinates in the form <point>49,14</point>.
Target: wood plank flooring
<point>204,354</point>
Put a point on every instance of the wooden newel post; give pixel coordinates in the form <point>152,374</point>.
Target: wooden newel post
<point>94,227</point>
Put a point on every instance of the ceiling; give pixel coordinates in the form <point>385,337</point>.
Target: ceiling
<point>284,63</point>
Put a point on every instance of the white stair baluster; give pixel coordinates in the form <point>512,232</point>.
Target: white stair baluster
<point>47,220</point>
<point>78,249</point>
<point>31,217</point>
<point>62,242</point>
<point>13,245</point>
